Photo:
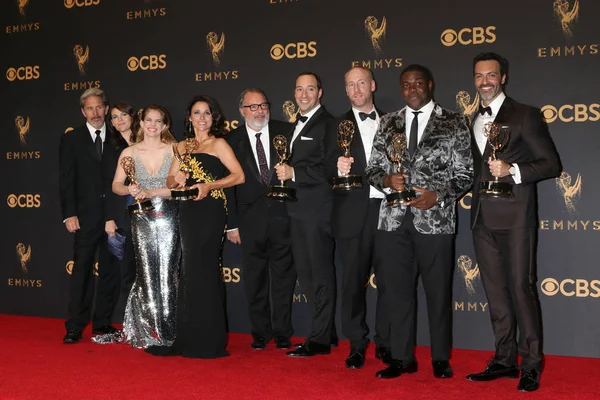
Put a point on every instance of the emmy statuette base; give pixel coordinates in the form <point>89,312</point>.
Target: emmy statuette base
<point>280,192</point>
<point>140,206</point>
<point>184,193</point>
<point>396,198</point>
<point>348,182</point>
<point>495,189</point>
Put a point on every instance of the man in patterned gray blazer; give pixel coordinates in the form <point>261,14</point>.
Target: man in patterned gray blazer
<point>418,237</point>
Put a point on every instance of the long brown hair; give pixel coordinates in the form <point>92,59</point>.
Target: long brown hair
<point>165,136</point>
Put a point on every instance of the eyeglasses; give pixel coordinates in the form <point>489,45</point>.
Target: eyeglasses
<point>254,107</point>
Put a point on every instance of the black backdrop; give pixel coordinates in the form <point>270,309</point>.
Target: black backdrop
<point>153,51</point>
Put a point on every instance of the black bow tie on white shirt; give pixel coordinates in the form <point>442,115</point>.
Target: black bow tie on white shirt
<point>483,110</point>
<point>301,118</point>
<point>364,116</point>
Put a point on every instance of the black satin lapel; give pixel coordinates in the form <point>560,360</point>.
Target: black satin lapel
<point>249,155</point>
<point>357,148</point>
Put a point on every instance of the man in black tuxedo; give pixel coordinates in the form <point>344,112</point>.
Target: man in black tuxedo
<point>504,229</point>
<point>261,225</point>
<point>310,215</point>
<point>354,220</point>
<point>418,237</point>
<point>82,203</point>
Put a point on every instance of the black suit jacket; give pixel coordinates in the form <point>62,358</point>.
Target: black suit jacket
<point>115,205</point>
<point>313,190</point>
<point>80,184</point>
<point>531,147</point>
<point>349,208</point>
<point>241,197</point>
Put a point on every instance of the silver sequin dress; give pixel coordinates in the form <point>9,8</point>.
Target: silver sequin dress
<point>150,315</point>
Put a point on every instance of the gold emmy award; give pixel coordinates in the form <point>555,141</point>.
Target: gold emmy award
<point>281,191</point>
<point>185,192</point>
<point>406,195</point>
<point>139,206</point>
<point>345,134</point>
<point>497,137</point>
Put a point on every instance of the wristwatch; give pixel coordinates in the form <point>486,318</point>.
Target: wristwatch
<point>512,170</point>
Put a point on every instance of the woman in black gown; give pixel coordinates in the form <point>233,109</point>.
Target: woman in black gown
<point>201,319</point>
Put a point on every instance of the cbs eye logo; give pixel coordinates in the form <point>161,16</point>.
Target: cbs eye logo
<point>571,287</point>
<point>70,264</point>
<point>467,36</point>
<point>25,73</point>
<point>24,201</point>
<point>294,50</point>
<point>80,3</point>
<point>145,63</point>
<point>571,113</point>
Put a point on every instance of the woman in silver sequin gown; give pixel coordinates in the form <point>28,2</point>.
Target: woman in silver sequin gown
<point>150,314</point>
<point>201,317</point>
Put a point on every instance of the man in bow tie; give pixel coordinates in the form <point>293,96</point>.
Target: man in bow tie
<point>354,219</point>
<point>504,229</point>
<point>417,238</point>
<point>312,243</point>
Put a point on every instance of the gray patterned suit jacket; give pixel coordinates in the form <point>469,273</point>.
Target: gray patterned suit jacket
<point>442,163</point>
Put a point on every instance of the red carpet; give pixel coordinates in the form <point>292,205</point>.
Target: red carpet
<point>34,364</point>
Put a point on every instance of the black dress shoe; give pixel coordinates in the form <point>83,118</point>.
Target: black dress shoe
<point>442,369</point>
<point>104,329</point>
<point>493,371</point>
<point>396,369</point>
<point>282,342</point>
<point>356,359</point>
<point>309,349</point>
<point>72,336</point>
<point>259,343</point>
<point>298,345</point>
<point>530,381</point>
<point>384,354</point>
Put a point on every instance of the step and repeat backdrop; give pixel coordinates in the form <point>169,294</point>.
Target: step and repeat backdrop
<point>167,51</point>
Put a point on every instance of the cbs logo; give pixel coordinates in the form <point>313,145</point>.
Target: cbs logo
<point>230,125</point>
<point>372,281</point>
<point>145,63</point>
<point>71,264</point>
<point>23,73</point>
<point>81,3</point>
<point>465,201</point>
<point>230,275</point>
<point>24,200</point>
<point>571,112</point>
<point>467,36</point>
<point>571,287</point>
<point>294,50</point>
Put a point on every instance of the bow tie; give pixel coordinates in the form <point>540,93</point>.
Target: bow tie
<point>364,116</point>
<point>301,118</point>
<point>483,110</point>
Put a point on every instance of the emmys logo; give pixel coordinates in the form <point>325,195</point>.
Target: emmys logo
<point>22,4</point>
<point>376,33</point>
<point>24,200</point>
<point>70,264</point>
<point>465,105</point>
<point>290,111</point>
<point>80,3</point>
<point>294,50</point>
<point>571,112</point>
<point>25,73</point>
<point>571,287</point>
<point>570,192</point>
<point>469,273</point>
<point>147,13</point>
<point>230,275</point>
<point>22,124</point>
<point>145,63</point>
<point>216,46</point>
<point>467,36</point>
<point>24,253</point>
<point>81,57</point>
<point>565,16</point>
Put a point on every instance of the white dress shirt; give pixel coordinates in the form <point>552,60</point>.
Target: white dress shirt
<point>423,119</point>
<point>264,139</point>
<point>93,133</point>
<point>300,124</point>
<point>367,129</point>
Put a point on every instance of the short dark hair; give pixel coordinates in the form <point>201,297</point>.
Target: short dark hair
<point>492,57</point>
<point>317,77</point>
<point>420,68</point>
<point>135,122</point>
<point>217,128</point>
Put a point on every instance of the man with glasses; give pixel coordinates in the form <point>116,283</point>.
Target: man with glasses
<point>260,224</point>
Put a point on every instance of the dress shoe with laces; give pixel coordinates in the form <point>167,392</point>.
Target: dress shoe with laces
<point>396,369</point>
<point>493,371</point>
<point>384,354</point>
<point>72,336</point>
<point>356,359</point>
<point>259,343</point>
<point>104,329</point>
<point>442,369</point>
<point>530,380</point>
<point>282,342</point>
<point>309,349</point>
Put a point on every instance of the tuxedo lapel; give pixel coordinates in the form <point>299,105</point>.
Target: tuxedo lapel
<point>246,149</point>
<point>273,157</point>
<point>89,144</point>
<point>357,147</point>
<point>504,114</point>
<point>309,124</point>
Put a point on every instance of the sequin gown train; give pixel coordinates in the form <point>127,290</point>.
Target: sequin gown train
<point>150,314</point>
<point>201,321</point>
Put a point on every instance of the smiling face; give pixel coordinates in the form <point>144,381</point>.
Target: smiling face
<point>94,111</point>
<point>201,117</point>
<point>416,89</point>
<point>255,119</point>
<point>488,80</point>
<point>359,89</point>
<point>307,93</point>
<point>153,123</point>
